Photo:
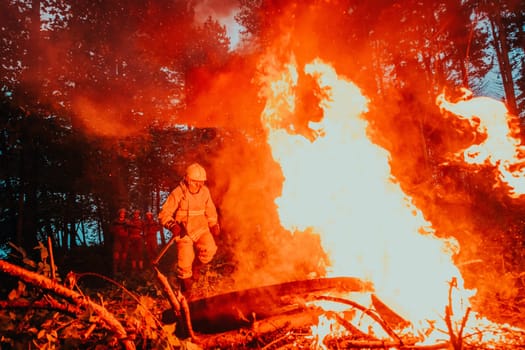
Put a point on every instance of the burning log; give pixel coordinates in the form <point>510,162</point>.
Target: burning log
<point>239,309</point>
<point>287,312</point>
<point>245,317</point>
<point>286,322</point>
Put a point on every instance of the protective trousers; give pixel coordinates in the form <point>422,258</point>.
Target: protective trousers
<point>205,248</point>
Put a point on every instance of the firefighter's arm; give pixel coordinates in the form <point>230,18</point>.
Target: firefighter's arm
<point>215,229</point>
<point>167,213</point>
<point>213,220</point>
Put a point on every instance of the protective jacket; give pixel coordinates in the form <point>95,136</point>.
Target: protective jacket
<point>196,212</point>
<point>120,227</point>
<point>136,228</point>
<point>151,227</point>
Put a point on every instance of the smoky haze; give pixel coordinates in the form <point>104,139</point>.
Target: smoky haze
<point>126,91</point>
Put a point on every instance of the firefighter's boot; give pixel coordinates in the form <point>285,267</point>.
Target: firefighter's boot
<point>196,271</point>
<point>185,285</point>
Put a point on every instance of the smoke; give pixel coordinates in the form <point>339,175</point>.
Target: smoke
<point>454,197</point>
<point>215,8</point>
<point>247,181</point>
<point>119,96</point>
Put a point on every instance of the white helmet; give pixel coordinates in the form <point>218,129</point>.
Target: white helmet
<point>196,172</point>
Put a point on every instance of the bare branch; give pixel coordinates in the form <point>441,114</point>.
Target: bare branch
<point>77,299</point>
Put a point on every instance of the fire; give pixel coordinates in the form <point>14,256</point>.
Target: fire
<point>339,184</point>
<point>501,146</point>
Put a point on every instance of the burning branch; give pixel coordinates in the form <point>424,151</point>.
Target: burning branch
<point>366,311</point>
<point>456,340</point>
<point>79,301</point>
<point>372,343</point>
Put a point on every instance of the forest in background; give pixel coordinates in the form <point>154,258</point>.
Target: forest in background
<point>105,103</point>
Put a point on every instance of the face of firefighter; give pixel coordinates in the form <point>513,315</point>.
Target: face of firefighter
<point>194,186</point>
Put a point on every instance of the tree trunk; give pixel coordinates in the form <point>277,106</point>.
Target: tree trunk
<point>502,52</point>
<point>27,226</point>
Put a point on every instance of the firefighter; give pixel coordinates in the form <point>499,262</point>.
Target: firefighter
<point>151,229</point>
<point>119,231</point>
<point>190,214</point>
<point>136,241</point>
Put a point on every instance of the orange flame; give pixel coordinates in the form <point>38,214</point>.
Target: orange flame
<point>339,184</point>
<point>501,146</point>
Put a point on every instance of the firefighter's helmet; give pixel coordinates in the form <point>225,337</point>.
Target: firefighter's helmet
<point>196,172</point>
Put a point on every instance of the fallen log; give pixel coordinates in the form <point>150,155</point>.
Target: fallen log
<point>234,310</point>
<point>242,337</point>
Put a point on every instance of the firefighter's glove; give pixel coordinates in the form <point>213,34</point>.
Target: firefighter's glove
<point>174,227</point>
<point>215,230</point>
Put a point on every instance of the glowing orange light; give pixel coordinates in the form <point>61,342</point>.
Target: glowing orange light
<point>339,184</point>
<point>501,147</point>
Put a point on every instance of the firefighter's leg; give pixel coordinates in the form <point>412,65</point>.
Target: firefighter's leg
<point>196,270</point>
<point>133,253</point>
<point>206,249</point>
<point>123,261</point>
<point>185,257</point>
<point>116,263</point>
<point>123,254</point>
<point>118,248</point>
<point>140,254</point>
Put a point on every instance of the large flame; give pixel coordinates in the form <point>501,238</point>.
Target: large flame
<point>501,146</point>
<point>339,184</point>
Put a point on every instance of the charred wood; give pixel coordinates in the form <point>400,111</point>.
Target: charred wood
<point>240,309</point>
<point>242,337</point>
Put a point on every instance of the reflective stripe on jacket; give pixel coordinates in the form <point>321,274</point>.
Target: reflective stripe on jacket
<point>196,211</point>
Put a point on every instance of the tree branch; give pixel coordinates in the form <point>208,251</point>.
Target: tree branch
<point>77,299</point>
